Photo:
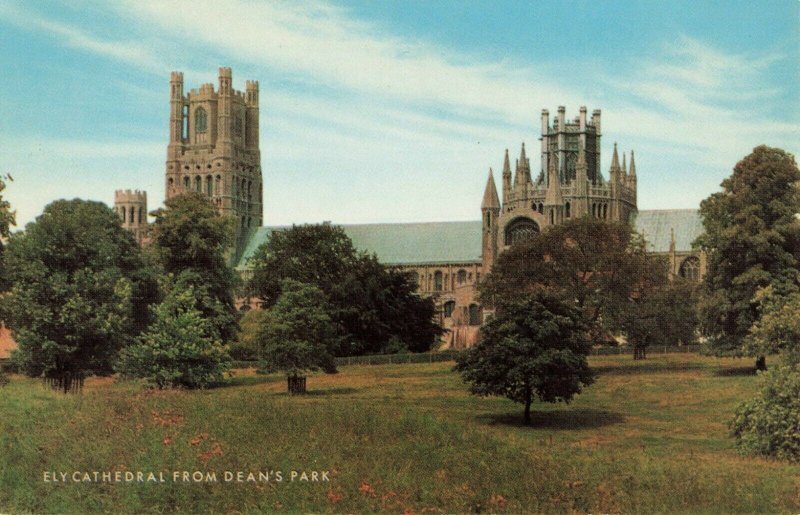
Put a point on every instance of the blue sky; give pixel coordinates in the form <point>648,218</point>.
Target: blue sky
<point>394,111</point>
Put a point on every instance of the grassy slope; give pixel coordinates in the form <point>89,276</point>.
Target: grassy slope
<point>648,436</point>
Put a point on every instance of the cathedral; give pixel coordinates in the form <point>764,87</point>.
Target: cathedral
<point>213,148</point>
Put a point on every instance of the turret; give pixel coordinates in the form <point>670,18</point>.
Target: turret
<point>490,211</point>
<point>175,108</point>
<point>251,115</point>
<point>225,111</point>
<point>581,206</point>
<point>553,201</point>
<point>545,139</point>
<point>506,179</point>
<point>523,172</point>
<point>131,206</point>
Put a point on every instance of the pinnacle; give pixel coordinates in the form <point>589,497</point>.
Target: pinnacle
<point>490,198</point>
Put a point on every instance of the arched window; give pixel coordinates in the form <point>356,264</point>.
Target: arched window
<point>217,182</point>
<point>541,208</point>
<point>449,306</point>
<point>566,210</point>
<point>462,276</point>
<point>594,210</point>
<point>552,216</point>
<point>170,183</point>
<point>605,211</point>
<point>186,183</point>
<point>413,278</point>
<point>474,314</point>
<point>198,186</point>
<point>123,211</point>
<point>520,229</point>
<point>209,186</point>
<point>141,214</point>
<point>437,281</point>
<point>488,219</point>
<point>132,215</point>
<point>200,120</point>
<point>185,122</point>
<point>690,269</point>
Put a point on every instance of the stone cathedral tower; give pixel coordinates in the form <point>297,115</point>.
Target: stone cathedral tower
<point>132,209</point>
<point>214,149</point>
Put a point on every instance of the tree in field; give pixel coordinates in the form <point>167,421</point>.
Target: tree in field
<point>661,311</point>
<point>182,348</point>
<point>535,347</point>
<point>752,238</point>
<point>373,305</point>
<point>298,335</point>
<point>190,239</point>
<point>777,331</point>
<point>593,264</point>
<point>246,347</point>
<point>80,290</point>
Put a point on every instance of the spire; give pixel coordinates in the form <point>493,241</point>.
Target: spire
<point>633,166</point>
<point>523,176</point>
<point>615,160</point>
<point>553,195</point>
<point>490,198</point>
<point>624,165</point>
<point>506,179</point>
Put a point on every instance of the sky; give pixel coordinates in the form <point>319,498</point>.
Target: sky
<point>393,111</point>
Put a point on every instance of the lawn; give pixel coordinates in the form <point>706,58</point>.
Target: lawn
<point>647,436</point>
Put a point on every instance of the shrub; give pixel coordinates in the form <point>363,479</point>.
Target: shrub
<point>769,425</point>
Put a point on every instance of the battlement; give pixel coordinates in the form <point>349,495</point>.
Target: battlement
<point>130,197</point>
<point>176,77</point>
<point>225,72</point>
<point>251,85</point>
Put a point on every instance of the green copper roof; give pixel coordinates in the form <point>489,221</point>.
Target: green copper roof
<point>433,242</point>
<point>655,225</point>
<point>447,242</point>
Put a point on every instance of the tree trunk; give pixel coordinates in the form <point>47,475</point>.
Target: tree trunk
<point>639,352</point>
<point>528,409</point>
<point>296,385</point>
<point>761,363</point>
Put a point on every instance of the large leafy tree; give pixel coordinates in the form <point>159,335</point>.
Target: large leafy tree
<point>80,289</point>
<point>752,238</point>
<point>297,334</point>
<point>535,347</point>
<point>190,239</point>
<point>372,304</point>
<point>594,264</point>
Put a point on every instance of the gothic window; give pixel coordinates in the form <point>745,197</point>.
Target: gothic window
<point>132,215</point>
<point>449,307</point>
<point>198,183</point>
<point>520,229</point>
<point>690,268</point>
<point>594,210</point>
<point>186,183</point>
<point>605,211</point>
<point>185,123</point>
<point>462,276</point>
<point>414,278</point>
<point>123,211</point>
<point>488,219</point>
<point>566,210</point>
<point>141,214</point>
<point>437,281</point>
<point>217,182</point>
<point>474,314</point>
<point>200,120</point>
<point>552,216</point>
<point>541,208</point>
<point>209,186</point>
<point>170,183</point>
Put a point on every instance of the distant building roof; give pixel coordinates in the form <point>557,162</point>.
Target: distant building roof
<point>448,242</point>
<point>655,226</point>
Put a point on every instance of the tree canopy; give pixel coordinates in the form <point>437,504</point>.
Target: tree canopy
<point>752,238</point>
<point>535,346</point>
<point>297,334</point>
<point>372,304</point>
<point>80,290</point>
<point>594,264</point>
<point>191,239</point>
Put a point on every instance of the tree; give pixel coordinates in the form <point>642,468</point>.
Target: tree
<point>7,220</point>
<point>298,335</point>
<point>80,290</point>
<point>778,328</point>
<point>373,305</point>
<point>661,311</point>
<point>534,346</point>
<point>190,239</point>
<point>182,348</point>
<point>593,264</point>
<point>752,238</point>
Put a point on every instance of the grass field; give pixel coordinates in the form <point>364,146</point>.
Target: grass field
<point>648,436</point>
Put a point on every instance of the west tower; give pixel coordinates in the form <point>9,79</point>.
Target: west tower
<point>214,149</point>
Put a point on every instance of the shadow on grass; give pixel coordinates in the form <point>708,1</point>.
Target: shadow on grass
<point>582,418</point>
<point>251,380</point>
<point>643,367</point>
<point>736,371</point>
<point>332,391</point>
